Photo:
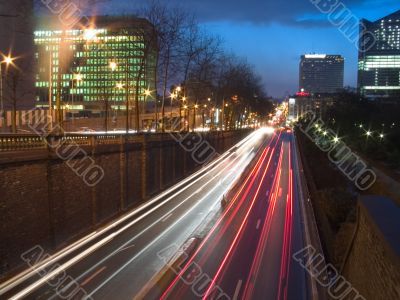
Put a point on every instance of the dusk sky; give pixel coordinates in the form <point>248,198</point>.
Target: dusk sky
<point>273,34</point>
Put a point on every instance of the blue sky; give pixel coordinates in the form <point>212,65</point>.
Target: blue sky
<point>272,34</point>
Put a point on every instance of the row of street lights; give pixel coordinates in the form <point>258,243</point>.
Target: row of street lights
<point>186,108</point>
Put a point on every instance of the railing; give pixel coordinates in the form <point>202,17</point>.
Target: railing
<point>10,142</point>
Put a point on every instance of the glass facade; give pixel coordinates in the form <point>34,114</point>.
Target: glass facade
<point>93,66</point>
<point>379,57</point>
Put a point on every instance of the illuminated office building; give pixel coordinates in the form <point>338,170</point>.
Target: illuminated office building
<point>379,57</point>
<point>321,73</point>
<point>96,66</point>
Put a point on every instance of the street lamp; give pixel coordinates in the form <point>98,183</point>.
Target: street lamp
<point>173,96</point>
<point>147,93</point>
<point>6,60</point>
<point>77,78</point>
<point>113,66</point>
<point>90,34</point>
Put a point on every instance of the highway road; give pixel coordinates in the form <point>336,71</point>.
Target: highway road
<point>248,252</point>
<point>117,260</point>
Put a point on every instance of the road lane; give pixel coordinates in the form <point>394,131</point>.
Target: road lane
<point>249,254</point>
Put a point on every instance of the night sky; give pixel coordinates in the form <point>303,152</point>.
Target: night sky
<point>272,34</point>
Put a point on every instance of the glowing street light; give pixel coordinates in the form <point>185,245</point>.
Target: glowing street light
<point>113,66</point>
<point>120,86</point>
<point>147,93</point>
<point>368,133</point>
<point>78,77</point>
<point>90,34</point>
<point>336,140</point>
<point>8,60</point>
<point>381,135</point>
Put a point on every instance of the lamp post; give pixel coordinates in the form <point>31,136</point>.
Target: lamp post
<point>186,124</point>
<point>194,116</point>
<point>172,100</point>
<point>77,78</point>
<point>203,116</point>
<point>113,66</point>
<point>180,113</point>
<point>6,60</point>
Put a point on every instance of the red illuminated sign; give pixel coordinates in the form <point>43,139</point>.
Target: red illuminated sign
<point>303,94</point>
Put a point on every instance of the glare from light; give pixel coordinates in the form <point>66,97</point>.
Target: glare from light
<point>147,93</point>
<point>113,65</point>
<point>269,130</point>
<point>78,77</point>
<point>90,34</point>
<point>8,60</point>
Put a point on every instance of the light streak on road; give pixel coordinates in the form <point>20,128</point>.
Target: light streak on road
<point>234,158</point>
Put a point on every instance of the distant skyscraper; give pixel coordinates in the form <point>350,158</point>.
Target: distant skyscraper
<point>321,73</point>
<point>379,57</point>
<point>16,40</point>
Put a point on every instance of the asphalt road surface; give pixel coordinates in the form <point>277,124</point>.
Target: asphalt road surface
<point>248,252</point>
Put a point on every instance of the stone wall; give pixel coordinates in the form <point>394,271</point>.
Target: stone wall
<point>43,202</point>
<point>373,262</point>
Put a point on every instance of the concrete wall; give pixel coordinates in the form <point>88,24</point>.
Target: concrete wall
<point>44,202</point>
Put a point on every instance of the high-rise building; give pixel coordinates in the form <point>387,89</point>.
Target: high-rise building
<point>379,57</point>
<point>321,73</point>
<point>16,42</point>
<point>104,65</point>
